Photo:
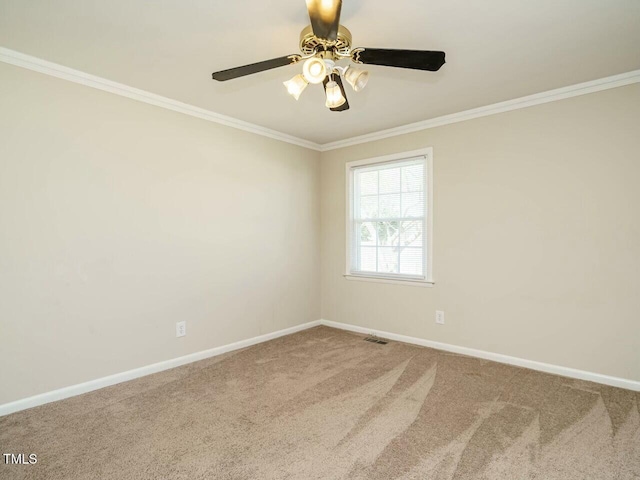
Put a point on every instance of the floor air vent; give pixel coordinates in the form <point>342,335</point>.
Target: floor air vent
<point>375,340</point>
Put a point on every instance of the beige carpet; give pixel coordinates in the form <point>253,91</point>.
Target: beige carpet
<point>325,404</point>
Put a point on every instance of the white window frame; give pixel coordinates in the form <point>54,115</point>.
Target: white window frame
<point>427,280</point>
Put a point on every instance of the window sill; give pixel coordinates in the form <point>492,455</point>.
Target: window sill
<point>395,281</point>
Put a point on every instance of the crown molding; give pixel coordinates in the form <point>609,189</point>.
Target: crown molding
<point>53,69</point>
<point>606,83</point>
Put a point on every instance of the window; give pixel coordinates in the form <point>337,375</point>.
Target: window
<point>389,218</point>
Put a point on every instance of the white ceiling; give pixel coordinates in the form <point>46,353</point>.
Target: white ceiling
<point>496,50</point>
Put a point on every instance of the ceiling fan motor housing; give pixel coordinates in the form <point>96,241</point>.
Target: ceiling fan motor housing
<point>310,44</point>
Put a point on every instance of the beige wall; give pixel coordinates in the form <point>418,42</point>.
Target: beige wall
<point>536,236</point>
<point>118,219</point>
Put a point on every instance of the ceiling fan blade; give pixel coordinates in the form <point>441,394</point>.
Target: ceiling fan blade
<point>236,72</point>
<point>415,59</point>
<point>338,80</point>
<point>325,18</point>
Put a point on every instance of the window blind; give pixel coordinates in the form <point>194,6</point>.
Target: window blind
<point>388,227</point>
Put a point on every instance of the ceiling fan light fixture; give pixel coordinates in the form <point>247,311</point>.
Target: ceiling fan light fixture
<point>324,42</point>
<point>334,95</point>
<point>314,70</point>
<point>356,77</point>
<point>296,86</point>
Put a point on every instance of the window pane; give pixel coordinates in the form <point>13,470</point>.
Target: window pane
<point>389,206</point>
<point>368,182</point>
<point>368,259</point>
<point>388,233</point>
<point>387,260</point>
<point>366,232</point>
<point>411,262</point>
<point>369,207</point>
<point>411,233</point>
<point>413,204</point>
<point>389,225</point>
<point>390,180</point>
<point>413,178</point>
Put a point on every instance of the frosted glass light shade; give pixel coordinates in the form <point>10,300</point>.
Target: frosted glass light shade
<point>314,70</point>
<point>356,78</point>
<point>334,95</point>
<point>296,86</point>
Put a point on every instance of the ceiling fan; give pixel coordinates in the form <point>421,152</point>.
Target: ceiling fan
<point>322,44</point>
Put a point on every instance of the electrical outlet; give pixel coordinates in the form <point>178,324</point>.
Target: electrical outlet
<point>439,317</point>
<point>181,328</point>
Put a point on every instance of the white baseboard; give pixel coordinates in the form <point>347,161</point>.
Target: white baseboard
<point>496,357</point>
<point>85,387</point>
<point>91,385</point>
